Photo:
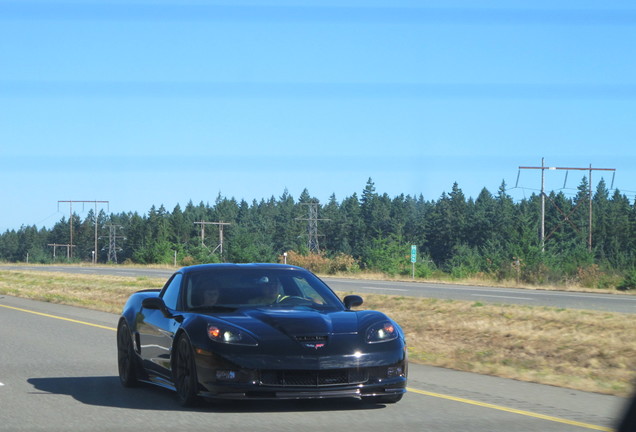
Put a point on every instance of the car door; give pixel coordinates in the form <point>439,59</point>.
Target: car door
<point>156,331</point>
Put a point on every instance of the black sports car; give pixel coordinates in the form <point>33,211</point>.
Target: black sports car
<point>258,331</point>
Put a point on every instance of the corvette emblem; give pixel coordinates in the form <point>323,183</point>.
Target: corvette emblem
<point>314,345</point>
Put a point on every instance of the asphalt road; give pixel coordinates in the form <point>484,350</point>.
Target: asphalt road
<point>59,373</point>
<point>621,303</point>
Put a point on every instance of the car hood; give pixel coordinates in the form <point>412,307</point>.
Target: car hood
<point>303,338</point>
<point>295,322</point>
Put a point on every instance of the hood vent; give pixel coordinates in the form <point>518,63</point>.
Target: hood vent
<point>322,338</point>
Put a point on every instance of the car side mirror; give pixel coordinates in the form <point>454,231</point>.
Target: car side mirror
<point>352,301</point>
<point>157,303</point>
<point>153,303</point>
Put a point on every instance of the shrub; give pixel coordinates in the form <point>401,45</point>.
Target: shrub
<point>424,269</point>
<point>465,262</point>
<point>629,282</point>
<point>343,263</point>
<point>388,256</point>
<point>316,263</point>
<point>188,260</point>
<point>589,276</point>
<point>319,263</point>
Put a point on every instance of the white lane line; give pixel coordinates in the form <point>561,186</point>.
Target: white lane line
<point>384,289</point>
<point>498,296</point>
<point>1,384</point>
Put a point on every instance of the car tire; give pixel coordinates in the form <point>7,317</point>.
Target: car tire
<point>185,373</point>
<point>126,356</point>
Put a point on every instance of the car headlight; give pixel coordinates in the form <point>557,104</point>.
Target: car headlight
<point>382,332</point>
<point>230,335</point>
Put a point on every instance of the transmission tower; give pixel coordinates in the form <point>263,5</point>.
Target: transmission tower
<point>112,242</point>
<point>312,226</point>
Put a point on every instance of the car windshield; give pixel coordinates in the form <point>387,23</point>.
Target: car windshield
<point>221,290</point>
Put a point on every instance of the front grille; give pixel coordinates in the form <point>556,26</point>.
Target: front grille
<point>304,378</point>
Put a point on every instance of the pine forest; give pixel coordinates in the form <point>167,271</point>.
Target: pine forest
<point>491,237</point>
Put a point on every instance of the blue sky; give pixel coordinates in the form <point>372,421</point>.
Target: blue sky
<point>151,103</point>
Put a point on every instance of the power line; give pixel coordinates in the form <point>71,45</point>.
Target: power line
<point>566,217</point>
<point>94,260</point>
<point>67,246</point>
<point>221,225</point>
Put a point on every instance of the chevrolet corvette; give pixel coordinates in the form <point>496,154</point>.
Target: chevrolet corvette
<point>258,331</point>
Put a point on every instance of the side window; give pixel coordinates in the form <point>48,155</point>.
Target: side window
<point>171,292</point>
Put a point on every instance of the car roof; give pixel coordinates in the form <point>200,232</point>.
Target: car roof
<point>220,266</point>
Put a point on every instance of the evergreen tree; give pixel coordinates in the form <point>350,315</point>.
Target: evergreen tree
<point>286,224</point>
<point>601,222</point>
<point>333,228</point>
<point>9,245</point>
<point>504,218</point>
<point>619,235</point>
<point>481,219</point>
<point>180,228</point>
<point>491,234</point>
<point>353,226</point>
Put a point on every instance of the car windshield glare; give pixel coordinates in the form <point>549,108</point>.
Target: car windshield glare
<point>228,289</point>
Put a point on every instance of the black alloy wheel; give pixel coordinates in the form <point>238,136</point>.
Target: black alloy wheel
<point>185,373</point>
<point>126,356</point>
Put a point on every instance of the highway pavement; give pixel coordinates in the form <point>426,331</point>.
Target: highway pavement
<point>621,303</point>
<point>59,373</point>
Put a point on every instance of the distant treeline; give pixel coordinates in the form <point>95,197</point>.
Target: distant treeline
<point>490,236</point>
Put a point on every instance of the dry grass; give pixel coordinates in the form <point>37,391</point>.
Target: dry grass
<point>591,351</point>
<point>479,281</point>
<point>104,293</point>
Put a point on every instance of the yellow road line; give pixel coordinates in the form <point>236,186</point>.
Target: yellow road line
<point>512,410</point>
<point>412,390</point>
<point>58,317</point>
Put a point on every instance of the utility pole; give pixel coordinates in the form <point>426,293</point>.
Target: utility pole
<point>71,222</point>
<point>221,225</point>
<point>312,226</point>
<point>543,195</point>
<point>56,245</point>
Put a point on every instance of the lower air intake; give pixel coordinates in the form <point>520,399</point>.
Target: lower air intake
<point>299,378</point>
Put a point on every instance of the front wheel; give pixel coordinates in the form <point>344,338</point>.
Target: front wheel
<point>126,356</point>
<point>185,373</point>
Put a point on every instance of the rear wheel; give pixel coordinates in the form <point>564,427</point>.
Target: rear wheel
<point>185,373</point>
<point>126,356</point>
